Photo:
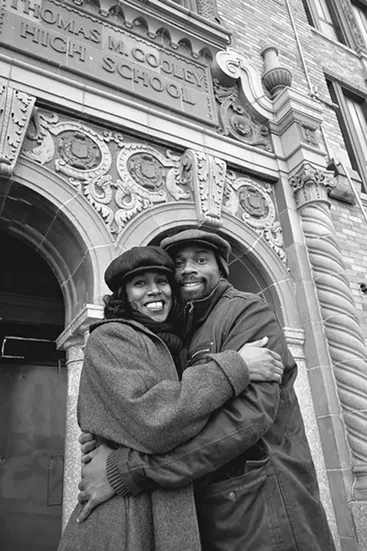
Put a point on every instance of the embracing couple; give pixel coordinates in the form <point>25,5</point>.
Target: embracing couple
<point>192,434</point>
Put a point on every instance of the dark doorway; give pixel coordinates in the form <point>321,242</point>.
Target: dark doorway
<point>33,388</point>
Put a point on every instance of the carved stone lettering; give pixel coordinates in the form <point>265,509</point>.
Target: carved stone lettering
<point>110,56</point>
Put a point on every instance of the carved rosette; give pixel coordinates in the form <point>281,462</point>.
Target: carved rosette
<point>345,339</point>
<point>15,112</point>
<point>146,176</point>
<point>205,175</point>
<point>253,202</point>
<point>236,122</point>
<point>83,156</point>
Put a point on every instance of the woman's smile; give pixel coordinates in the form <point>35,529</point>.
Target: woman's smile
<point>150,293</point>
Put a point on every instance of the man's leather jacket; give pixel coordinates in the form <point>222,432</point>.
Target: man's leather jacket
<point>255,482</point>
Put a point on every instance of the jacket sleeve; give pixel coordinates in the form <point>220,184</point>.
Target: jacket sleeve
<point>231,431</point>
<point>133,401</point>
<point>226,435</point>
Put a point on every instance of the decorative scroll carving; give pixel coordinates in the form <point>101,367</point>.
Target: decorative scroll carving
<point>38,131</point>
<point>254,202</point>
<point>231,65</point>
<point>345,339</point>
<point>15,112</point>
<point>205,175</point>
<point>236,121</point>
<point>146,176</point>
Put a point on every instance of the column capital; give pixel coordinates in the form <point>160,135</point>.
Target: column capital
<point>75,332</point>
<point>311,184</point>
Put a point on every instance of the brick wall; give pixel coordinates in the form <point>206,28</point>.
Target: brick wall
<point>255,23</point>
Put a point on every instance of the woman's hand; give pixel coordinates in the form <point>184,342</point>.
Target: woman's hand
<point>263,364</point>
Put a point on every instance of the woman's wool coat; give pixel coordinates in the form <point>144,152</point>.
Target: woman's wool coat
<point>130,395</point>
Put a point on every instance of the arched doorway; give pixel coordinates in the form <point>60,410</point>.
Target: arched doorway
<point>33,389</point>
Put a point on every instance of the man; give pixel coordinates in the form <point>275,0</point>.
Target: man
<point>255,486</point>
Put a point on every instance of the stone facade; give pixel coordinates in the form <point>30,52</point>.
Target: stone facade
<point>145,118</point>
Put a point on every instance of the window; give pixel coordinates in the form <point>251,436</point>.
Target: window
<point>323,15</point>
<point>352,118</point>
<point>360,14</point>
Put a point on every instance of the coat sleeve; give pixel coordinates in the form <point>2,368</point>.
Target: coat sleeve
<point>226,435</point>
<point>230,431</point>
<point>125,398</point>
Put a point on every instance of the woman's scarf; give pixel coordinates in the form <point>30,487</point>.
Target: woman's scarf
<point>169,334</point>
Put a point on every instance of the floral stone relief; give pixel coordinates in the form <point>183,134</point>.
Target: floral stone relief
<point>252,201</point>
<point>236,122</point>
<point>121,178</point>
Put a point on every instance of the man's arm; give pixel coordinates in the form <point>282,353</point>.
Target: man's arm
<point>134,401</point>
<point>225,435</point>
<point>128,472</point>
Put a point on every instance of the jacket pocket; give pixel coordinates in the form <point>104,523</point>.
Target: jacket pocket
<point>245,513</point>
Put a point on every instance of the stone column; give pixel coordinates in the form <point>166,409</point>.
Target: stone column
<point>73,340</point>
<point>344,336</point>
<point>295,339</point>
<point>74,361</point>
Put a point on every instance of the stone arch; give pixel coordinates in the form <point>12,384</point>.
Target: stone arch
<point>43,210</point>
<point>268,272</point>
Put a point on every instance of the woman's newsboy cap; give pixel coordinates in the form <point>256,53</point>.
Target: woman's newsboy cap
<point>137,260</point>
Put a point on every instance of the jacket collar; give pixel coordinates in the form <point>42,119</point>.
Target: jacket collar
<point>197,311</point>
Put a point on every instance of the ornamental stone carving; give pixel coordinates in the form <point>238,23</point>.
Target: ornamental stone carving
<point>252,201</point>
<point>346,344</point>
<point>145,177</point>
<point>208,9</point>
<point>348,11</point>
<point>205,175</point>
<point>275,77</point>
<point>15,112</point>
<point>311,184</point>
<point>236,122</point>
<point>231,68</point>
<point>118,179</point>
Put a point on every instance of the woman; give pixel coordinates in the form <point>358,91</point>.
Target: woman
<point>134,392</point>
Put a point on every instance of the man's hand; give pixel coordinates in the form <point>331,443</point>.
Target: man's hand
<point>263,364</point>
<point>94,486</point>
<point>87,443</point>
